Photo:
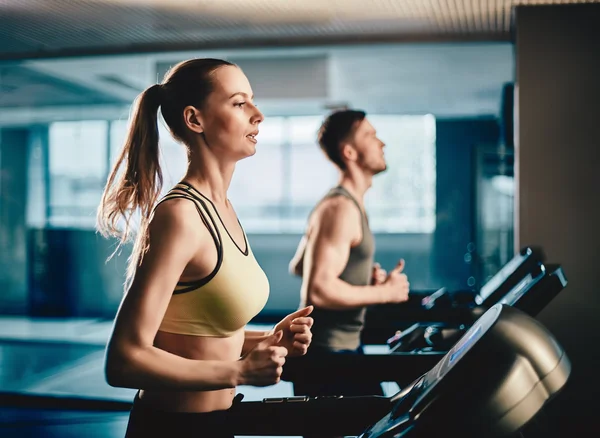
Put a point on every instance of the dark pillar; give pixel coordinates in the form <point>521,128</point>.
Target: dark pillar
<point>558,184</point>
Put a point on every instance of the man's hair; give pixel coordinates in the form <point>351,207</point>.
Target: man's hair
<point>336,128</point>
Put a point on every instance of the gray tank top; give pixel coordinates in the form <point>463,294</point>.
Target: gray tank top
<point>341,329</point>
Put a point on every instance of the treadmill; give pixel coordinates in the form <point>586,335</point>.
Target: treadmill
<point>495,288</point>
<point>409,358</point>
<point>531,294</point>
<point>455,306</point>
<point>494,382</point>
<point>499,375</point>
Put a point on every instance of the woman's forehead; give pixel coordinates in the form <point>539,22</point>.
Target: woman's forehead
<point>230,80</point>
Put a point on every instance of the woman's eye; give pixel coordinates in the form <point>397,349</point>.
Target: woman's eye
<point>239,104</point>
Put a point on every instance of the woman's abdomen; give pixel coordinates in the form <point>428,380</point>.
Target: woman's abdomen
<point>197,348</point>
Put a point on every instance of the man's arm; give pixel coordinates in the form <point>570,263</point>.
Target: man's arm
<point>297,262</point>
<point>335,227</point>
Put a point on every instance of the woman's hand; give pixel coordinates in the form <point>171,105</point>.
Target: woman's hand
<point>296,331</point>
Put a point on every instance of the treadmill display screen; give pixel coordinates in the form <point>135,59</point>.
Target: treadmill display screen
<point>470,338</point>
<point>521,288</point>
<point>501,276</point>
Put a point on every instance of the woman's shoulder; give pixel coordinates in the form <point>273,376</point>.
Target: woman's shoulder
<point>176,216</point>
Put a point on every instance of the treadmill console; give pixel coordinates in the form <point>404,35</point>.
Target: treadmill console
<point>532,299</point>
<point>497,286</point>
<point>441,337</point>
<point>515,294</point>
<point>488,288</point>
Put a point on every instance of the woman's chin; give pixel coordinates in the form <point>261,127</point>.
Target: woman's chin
<point>251,150</point>
<point>247,152</point>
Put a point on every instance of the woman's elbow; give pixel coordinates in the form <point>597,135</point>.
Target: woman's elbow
<point>117,368</point>
<point>113,379</point>
<point>114,373</point>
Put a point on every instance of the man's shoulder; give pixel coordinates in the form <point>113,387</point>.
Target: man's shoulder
<point>338,212</point>
<point>335,204</point>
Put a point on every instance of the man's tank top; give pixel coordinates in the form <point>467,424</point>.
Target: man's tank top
<point>341,329</point>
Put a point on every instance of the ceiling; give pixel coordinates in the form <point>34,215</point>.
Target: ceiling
<point>50,28</point>
<point>449,80</point>
<point>65,60</point>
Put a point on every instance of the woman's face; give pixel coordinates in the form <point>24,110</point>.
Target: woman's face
<point>229,118</point>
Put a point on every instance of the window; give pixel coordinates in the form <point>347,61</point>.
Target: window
<point>402,199</point>
<point>258,188</point>
<point>77,170</point>
<point>118,131</point>
<point>274,191</point>
<point>173,159</point>
<point>312,174</point>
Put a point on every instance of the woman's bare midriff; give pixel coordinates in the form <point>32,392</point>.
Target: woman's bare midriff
<point>199,348</point>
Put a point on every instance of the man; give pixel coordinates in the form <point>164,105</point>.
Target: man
<point>335,257</point>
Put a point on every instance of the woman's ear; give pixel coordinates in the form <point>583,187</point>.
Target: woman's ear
<point>192,119</point>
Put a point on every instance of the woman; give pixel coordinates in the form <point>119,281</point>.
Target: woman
<point>193,282</point>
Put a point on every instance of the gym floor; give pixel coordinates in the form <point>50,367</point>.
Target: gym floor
<point>47,366</point>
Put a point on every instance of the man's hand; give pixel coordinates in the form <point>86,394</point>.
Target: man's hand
<point>296,331</point>
<point>379,274</point>
<point>397,283</point>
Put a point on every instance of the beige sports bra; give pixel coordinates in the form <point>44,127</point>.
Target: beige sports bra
<point>230,296</point>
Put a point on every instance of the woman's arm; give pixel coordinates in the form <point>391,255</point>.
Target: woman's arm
<point>252,338</point>
<point>132,361</point>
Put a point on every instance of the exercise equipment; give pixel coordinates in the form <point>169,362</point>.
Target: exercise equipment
<point>531,294</point>
<point>422,345</point>
<point>492,382</point>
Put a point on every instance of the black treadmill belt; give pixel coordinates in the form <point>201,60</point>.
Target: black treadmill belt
<point>401,368</point>
<point>327,416</point>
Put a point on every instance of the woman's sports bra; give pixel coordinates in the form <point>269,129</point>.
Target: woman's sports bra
<point>230,296</point>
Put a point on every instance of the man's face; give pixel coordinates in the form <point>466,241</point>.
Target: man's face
<point>369,148</point>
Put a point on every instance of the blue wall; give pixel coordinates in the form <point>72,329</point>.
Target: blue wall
<point>455,204</point>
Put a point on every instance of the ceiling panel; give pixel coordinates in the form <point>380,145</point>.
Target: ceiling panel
<point>48,28</point>
<point>22,87</point>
